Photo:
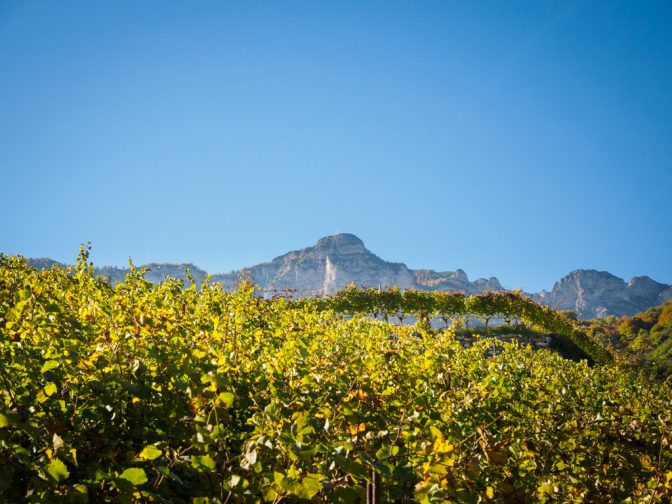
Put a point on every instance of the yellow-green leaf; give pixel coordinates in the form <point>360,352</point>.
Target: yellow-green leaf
<point>227,399</point>
<point>202,461</point>
<point>545,489</point>
<point>135,475</point>
<point>150,452</point>
<point>48,365</point>
<point>309,487</point>
<point>57,470</point>
<point>647,464</point>
<point>50,389</point>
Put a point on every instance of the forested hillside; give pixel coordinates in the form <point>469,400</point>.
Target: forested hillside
<point>645,339</point>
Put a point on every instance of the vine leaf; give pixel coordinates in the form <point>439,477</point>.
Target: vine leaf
<point>134,475</point>
<point>58,470</point>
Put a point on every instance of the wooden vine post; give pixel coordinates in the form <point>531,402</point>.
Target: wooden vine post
<point>373,488</point>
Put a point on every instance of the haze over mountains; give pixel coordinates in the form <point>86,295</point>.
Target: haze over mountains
<point>338,260</point>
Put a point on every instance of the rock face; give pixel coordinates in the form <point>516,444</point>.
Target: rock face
<point>594,294</point>
<point>666,295</point>
<point>336,261</point>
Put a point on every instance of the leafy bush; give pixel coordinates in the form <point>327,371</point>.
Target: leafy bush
<point>165,393</point>
<point>643,340</point>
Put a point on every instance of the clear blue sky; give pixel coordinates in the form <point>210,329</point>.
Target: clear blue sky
<point>516,139</point>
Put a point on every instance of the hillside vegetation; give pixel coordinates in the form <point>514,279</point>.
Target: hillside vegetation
<point>166,393</point>
<point>644,340</point>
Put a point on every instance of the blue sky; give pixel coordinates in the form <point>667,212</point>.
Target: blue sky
<point>516,139</point>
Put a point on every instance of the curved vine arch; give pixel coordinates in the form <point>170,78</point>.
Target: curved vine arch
<point>449,304</point>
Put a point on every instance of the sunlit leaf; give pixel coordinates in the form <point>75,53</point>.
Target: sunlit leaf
<point>50,389</point>
<point>202,461</point>
<point>134,475</point>
<point>49,365</point>
<point>150,452</point>
<point>57,470</point>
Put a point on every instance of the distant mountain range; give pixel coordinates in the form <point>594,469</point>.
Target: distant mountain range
<point>335,261</point>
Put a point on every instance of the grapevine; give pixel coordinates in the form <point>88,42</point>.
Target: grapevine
<point>167,393</point>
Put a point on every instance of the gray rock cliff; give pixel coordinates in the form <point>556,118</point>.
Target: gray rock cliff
<point>593,293</point>
<point>336,261</point>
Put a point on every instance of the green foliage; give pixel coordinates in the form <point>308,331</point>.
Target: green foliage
<point>643,340</point>
<point>57,470</point>
<point>164,393</point>
<point>134,475</point>
<point>450,305</point>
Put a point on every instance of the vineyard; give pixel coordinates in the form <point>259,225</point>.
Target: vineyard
<point>172,393</point>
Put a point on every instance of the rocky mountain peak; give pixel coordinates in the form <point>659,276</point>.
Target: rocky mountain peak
<point>588,275</point>
<point>644,282</point>
<point>342,243</point>
<point>593,293</point>
<point>459,274</point>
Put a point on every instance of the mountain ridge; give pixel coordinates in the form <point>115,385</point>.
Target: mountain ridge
<point>337,260</point>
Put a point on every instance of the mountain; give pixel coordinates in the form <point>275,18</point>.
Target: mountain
<point>156,272</point>
<point>596,294</point>
<point>338,260</point>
